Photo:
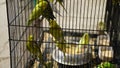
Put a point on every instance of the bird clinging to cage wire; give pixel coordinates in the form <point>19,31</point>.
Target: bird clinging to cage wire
<point>55,27</point>
<point>34,48</point>
<point>101,27</point>
<point>52,3</point>
<point>48,12</point>
<point>57,33</point>
<point>44,8</point>
<point>84,40</point>
<point>37,11</point>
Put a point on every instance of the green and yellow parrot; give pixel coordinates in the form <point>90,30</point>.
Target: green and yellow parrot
<point>57,33</point>
<point>84,40</point>
<point>48,12</point>
<point>106,65</point>
<point>33,47</point>
<point>55,28</point>
<point>37,11</point>
<point>101,27</point>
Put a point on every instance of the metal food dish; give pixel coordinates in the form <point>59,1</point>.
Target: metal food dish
<point>72,59</point>
<point>103,40</point>
<point>106,53</point>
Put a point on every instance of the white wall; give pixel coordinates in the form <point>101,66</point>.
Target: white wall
<point>4,44</point>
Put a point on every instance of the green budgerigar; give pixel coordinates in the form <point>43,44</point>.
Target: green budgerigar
<point>57,33</point>
<point>48,12</point>
<point>101,27</point>
<point>37,11</point>
<point>84,40</point>
<point>33,47</point>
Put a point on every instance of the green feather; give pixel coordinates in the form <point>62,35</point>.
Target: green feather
<point>37,11</point>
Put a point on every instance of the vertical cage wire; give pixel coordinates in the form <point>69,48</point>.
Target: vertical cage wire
<point>79,17</point>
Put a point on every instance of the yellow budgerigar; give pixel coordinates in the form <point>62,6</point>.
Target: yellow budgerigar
<point>83,40</point>
<point>101,25</point>
<point>37,11</point>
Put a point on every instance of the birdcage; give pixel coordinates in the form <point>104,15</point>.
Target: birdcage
<point>64,33</point>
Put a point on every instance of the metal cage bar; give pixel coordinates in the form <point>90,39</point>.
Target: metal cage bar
<point>81,16</point>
